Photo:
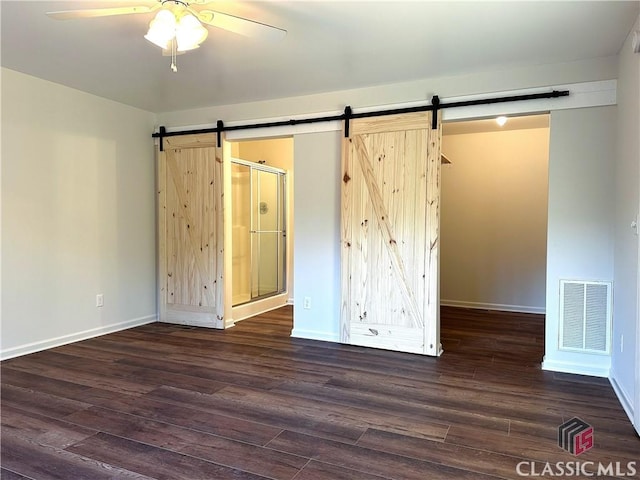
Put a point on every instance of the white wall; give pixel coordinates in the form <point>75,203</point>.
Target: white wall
<point>627,186</point>
<point>78,215</point>
<point>494,220</point>
<point>581,211</point>
<point>317,241</point>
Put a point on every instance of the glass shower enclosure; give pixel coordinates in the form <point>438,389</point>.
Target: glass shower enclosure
<point>258,208</point>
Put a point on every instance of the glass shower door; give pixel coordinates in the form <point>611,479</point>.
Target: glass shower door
<point>268,233</point>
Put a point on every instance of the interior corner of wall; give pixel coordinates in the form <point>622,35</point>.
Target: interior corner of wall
<point>626,400</point>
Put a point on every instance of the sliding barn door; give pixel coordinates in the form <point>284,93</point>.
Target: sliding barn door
<point>190,237</point>
<point>390,223</point>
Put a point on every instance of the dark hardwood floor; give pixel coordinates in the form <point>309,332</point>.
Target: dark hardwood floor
<point>172,402</point>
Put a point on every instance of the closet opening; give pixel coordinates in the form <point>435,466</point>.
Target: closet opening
<point>494,216</point>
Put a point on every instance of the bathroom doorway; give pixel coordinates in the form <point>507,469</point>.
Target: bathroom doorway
<point>260,226</point>
<point>259,231</point>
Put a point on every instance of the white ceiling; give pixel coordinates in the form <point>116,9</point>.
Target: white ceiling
<point>330,45</point>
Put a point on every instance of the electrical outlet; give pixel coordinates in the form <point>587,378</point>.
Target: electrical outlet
<point>306,303</point>
<point>99,300</point>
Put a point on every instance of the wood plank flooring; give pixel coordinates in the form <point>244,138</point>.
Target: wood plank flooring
<point>172,402</point>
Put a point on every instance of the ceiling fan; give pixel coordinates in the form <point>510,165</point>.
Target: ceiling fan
<point>178,27</point>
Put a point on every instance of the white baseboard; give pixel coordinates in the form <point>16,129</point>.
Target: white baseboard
<point>623,396</point>
<point>575,368</point>
<point>315,335</point>
<point>74,337</point>
<point>257,307</point>
<point>493,306</point>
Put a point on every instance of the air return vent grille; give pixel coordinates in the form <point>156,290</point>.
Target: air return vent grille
<point>585,316</point>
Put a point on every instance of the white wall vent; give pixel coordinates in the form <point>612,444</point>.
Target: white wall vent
<point>585,316</point>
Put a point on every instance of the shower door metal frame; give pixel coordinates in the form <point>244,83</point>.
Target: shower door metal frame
<point>282,217</point>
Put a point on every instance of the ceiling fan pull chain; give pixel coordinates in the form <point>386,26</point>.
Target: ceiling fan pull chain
<point>174,67</point>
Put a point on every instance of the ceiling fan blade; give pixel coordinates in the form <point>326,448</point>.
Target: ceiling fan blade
<point>241,25</point>
<point>101,12</point>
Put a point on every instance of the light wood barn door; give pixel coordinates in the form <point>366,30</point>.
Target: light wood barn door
<point>190,237</point>
<point>390,223</point>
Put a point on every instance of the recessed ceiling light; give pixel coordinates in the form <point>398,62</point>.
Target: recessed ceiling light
<point>501,120</point>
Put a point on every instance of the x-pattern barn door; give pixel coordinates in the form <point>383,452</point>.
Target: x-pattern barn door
<point>190,231</point>
<point>390,223</point>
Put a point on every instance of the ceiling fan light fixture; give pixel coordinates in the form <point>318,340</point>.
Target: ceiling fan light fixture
<point>162,29</point>
<point>190,33</point>
<point>177,27</point>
